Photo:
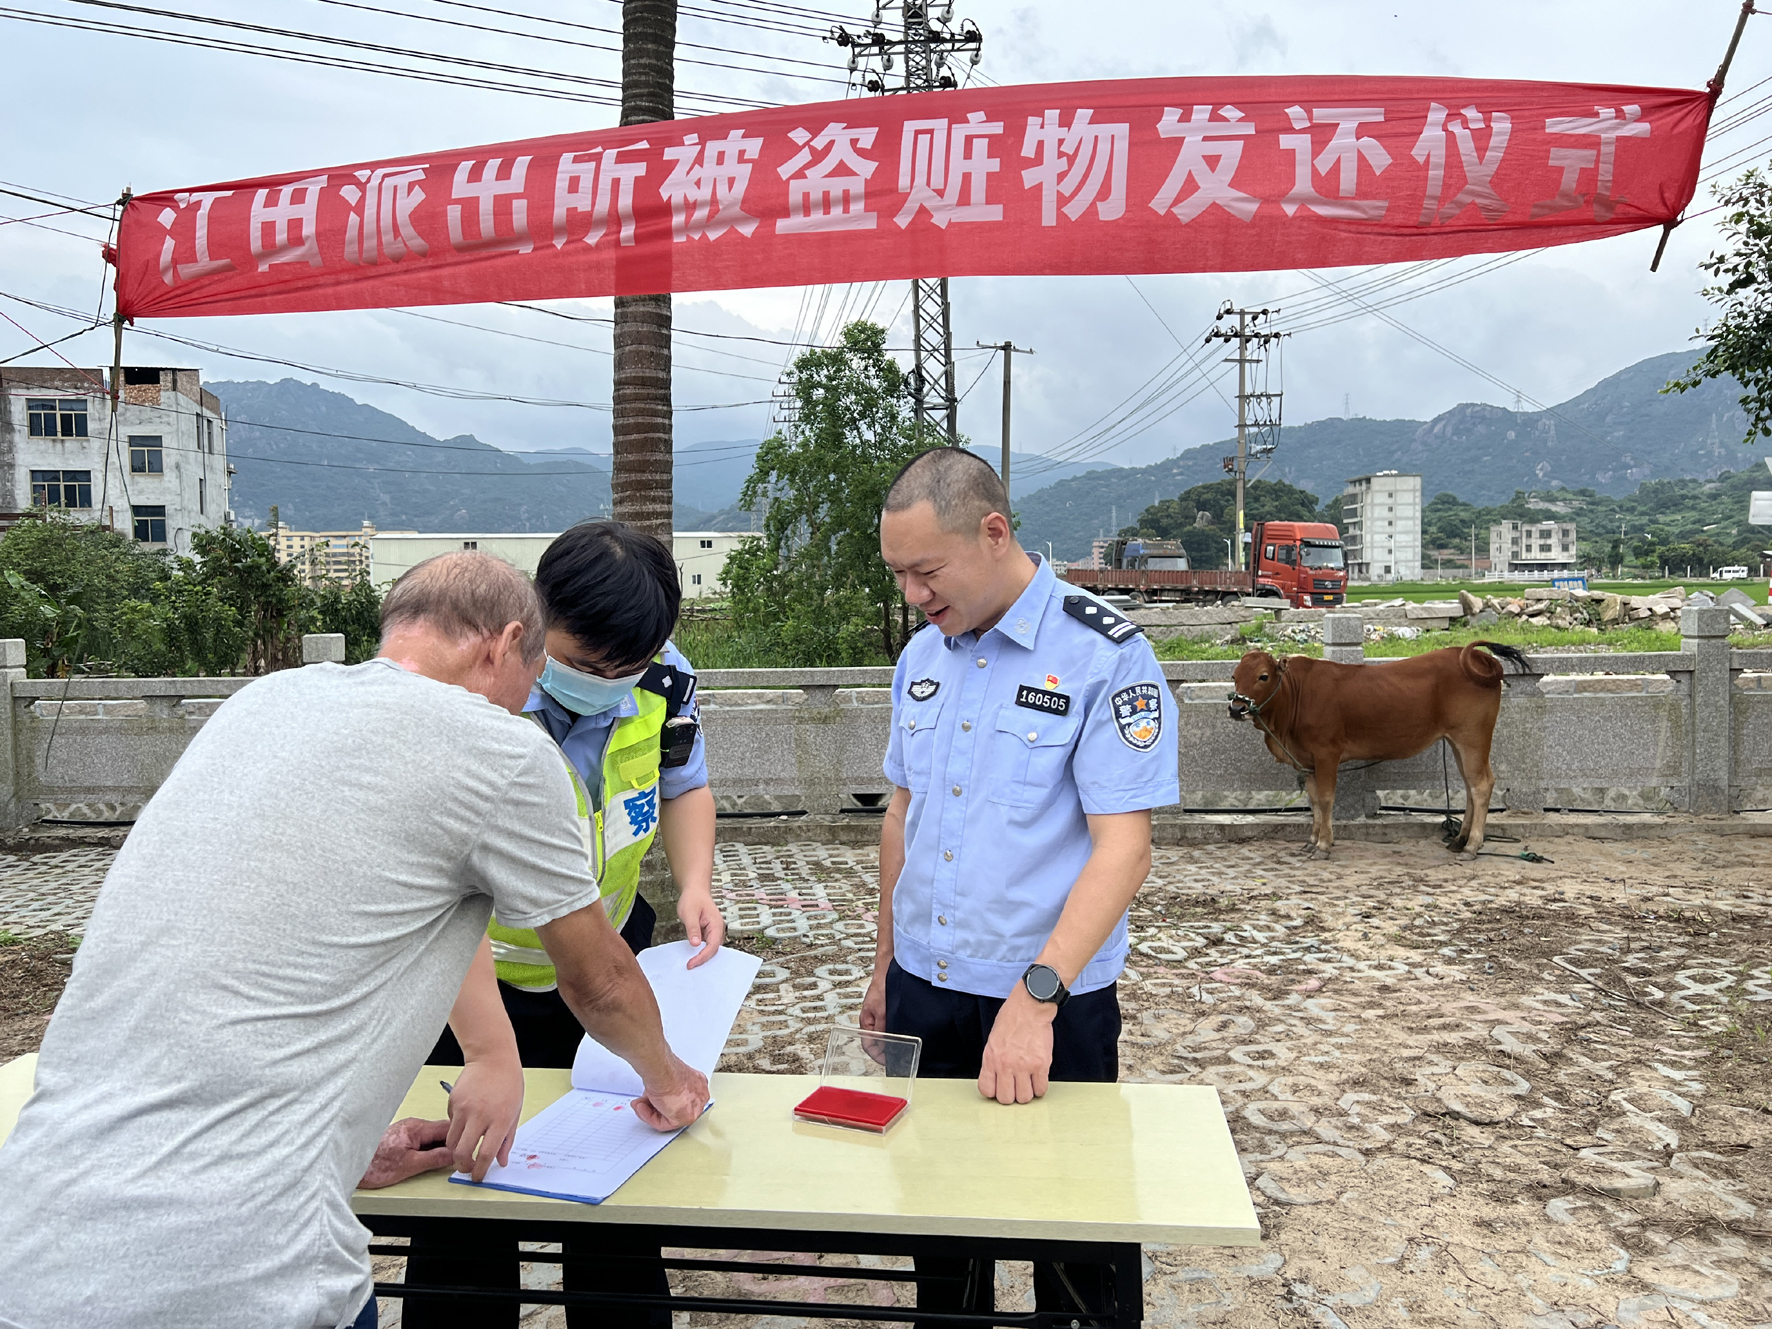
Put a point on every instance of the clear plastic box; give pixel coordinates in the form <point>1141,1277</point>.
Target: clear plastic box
<point>866,1083</point>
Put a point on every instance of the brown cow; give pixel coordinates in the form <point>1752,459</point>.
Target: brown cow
<point>1316,714</point>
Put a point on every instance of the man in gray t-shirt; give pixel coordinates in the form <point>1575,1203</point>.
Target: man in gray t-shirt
<point>271,957</point>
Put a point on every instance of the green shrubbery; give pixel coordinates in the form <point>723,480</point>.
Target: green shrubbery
<point>91,601</point>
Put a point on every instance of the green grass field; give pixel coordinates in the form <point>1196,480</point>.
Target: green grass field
<point>1511,634</point>
<point>1419,591</point>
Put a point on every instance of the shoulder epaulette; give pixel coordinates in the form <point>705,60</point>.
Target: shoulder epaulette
<point>1116,627</point>
<point>676,686</point>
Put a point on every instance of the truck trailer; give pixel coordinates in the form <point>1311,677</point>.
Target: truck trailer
<point>1299,562</point>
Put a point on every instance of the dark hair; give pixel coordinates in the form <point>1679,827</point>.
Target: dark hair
<point>464,595</point>
<point>612,587</point>
<point>959,484</point>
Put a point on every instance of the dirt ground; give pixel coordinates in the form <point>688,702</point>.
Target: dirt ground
<point>1465,1092</point>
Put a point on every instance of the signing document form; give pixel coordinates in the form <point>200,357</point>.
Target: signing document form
<point>584,1146</point>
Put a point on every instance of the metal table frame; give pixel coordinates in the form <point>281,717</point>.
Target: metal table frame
<point>465,1240</point>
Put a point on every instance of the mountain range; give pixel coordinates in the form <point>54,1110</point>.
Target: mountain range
<point>329,462</point>
<point>1611,438</point>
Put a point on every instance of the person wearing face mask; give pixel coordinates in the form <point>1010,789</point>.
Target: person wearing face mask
<point>618,700</point>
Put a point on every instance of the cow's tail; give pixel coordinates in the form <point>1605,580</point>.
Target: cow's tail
<point>1485,667</point>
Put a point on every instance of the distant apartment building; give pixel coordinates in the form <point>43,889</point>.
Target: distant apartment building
<point>317,556</point>
<point>700,555</point>
<point>1381,515</point>
<point>156,473</point>
<point>1532,549</point>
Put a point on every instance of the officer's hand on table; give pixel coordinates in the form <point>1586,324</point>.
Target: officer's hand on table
<point>1019,1054</point>
<point>410,1146</point>
<point>676,1099</point>
<point>483,1112</point>
<point>702,924</point>
<point>873,1006</point>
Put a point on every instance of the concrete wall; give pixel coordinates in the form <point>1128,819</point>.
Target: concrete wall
<point>1687,730</point>
<point>192,484</point>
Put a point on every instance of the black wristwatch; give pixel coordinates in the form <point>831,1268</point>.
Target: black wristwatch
<point>1044,984</point>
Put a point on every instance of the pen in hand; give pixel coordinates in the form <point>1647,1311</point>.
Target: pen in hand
<point>447,1087</point>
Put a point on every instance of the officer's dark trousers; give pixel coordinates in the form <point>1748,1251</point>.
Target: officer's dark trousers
<point>547,1035</point>
<point>954,1027</point>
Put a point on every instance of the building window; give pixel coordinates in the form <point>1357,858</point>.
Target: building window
<point>202,496</point>
<point>145,455</point>
<point>695,579</point>
<point>136,377</point>
<point>211,426</point>
<point>150,523</point>
<point>470,544</point>
<point>61,489</point>
<point>57,418</point>
<point>707,544</point>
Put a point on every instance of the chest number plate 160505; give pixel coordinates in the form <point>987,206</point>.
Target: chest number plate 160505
<point>1038,699</point>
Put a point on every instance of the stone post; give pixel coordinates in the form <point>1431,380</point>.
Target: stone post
<point>1704,635</point>
<point>323,648</point>
<point>12,670</point>
<point>1344,638</point>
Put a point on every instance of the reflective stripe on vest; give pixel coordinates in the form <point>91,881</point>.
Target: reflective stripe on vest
<point>617,826</point>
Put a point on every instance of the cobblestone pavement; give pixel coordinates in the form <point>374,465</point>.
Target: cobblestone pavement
<point>1465,1092</point>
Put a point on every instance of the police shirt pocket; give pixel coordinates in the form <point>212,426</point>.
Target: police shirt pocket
<point>1028,756</point>
<point>917,742</point>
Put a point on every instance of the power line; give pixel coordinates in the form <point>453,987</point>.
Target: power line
<point>351,376</point>
<point>352,64</point>
<point>582,45</point>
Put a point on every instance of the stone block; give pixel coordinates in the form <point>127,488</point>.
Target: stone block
<point>1733,596</point>
<point>12,653</point>
<point>1440,609</point>
<point>1485,617</point>
<point>1546,593</point>
<point>1469,604</point>
<point>1612,609</point>
<point>323,648</point>
<point>1747,617</point>
<point>1343,630</point>
<point>1704,622</point>
<point>1217,694</point>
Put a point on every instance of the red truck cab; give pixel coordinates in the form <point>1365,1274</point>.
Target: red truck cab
<point>1302,560</point>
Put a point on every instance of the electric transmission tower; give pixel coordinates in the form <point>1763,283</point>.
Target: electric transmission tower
<point>1258,411</point>
<point>912,46</point>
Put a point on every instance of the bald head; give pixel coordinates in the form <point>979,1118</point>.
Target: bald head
<point>958,484</point>
<point>464,596</point>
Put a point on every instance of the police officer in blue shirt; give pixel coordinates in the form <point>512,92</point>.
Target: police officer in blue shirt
<point>1031,737</point>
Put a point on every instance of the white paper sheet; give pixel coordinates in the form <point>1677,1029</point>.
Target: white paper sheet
<point>698,1007</point>
<point>585,1145</point>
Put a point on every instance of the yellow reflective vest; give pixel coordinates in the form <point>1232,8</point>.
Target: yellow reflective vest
<point>618,819</point>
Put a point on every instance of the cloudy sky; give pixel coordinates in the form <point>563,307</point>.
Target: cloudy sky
<point>90,112</point>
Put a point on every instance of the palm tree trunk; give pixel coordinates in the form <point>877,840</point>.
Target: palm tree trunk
<point>640,483</point>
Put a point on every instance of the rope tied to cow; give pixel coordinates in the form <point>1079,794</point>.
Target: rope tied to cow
<point>1254,709</point>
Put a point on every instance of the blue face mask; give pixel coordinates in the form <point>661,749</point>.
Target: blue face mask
<point>582,693</point>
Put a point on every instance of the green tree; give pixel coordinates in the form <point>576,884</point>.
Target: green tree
<point>354,610</point>
<point>240,569</point>
<point>813,585</point>
<point>1204,517</point>
<point>1739,343</point>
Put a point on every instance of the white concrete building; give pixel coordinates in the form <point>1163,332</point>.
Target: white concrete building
<point>318,556</point>
<point>163,475</point>
<point>1382,516</point>
<point>1532,549</point>
<point>699,554</point>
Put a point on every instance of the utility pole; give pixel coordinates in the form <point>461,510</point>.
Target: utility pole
<point>1473,553</point>
<point>1256,411</point>
<point>1009,349</point>
<point>919,34</point>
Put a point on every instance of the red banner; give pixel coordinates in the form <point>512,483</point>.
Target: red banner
<point>1131,176</point>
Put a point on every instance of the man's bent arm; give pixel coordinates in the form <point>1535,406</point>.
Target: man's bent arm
<point>602,984</point>
<point>1018,1056</point>
<point>873,1008</point>
<point>488,1095</point>
<point>1119,862</point>
<point>686,826</point>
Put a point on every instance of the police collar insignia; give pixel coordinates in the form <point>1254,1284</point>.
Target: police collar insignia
<point>1038,699</point>
<point>1138,715</point>
<point>923,689</point>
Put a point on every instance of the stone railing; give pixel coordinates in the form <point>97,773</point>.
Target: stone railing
<point>1687,730</point>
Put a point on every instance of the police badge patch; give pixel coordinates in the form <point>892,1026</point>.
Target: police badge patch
<point>1138,715</point>
<point>922,689</point>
